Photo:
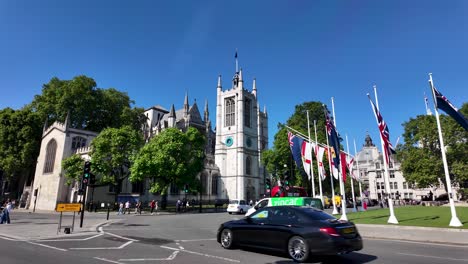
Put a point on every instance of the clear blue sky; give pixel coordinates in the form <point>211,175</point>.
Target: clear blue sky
<point>298,51</point>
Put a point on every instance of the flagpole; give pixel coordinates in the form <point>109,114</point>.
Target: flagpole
<point>311,158</point>
<point>318,164</point>
<point>392,219</point>
<point>352,183</point>
<point>359,174</point>
<point>454,221</point>
<point>342,189</point>
<point>335,212</point>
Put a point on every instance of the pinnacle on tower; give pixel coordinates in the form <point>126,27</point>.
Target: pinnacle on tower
<point>186,105</point>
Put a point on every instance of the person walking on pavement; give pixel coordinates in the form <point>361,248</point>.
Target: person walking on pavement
<point>121,208</point>
<point>138,207</point>
<point>127,207</point>
<point>152,206</point>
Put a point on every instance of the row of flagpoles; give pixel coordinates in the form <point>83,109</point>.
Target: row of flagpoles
<point>302,147</point>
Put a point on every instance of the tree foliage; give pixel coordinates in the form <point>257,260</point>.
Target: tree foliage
<point>420,156</point>
<point>90,108</point>
<point>111,154</point>
<point>73,167</point>
<point>20,135</point>
<point>275,158</point>
<point>172,157</point>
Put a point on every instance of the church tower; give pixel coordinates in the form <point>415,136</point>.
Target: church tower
<point>241,135</point>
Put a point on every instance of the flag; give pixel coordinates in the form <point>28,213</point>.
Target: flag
<point>330,154</point>
<point>444,104</point>
<point>350,163</point>
<point>333,140</point>
<point>343,165</point>
<point>295,144</point>
<point>319,155</point>
<point>384,133</point>
<point>306,153</point>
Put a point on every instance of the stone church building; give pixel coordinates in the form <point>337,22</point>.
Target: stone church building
<point>232,167</point>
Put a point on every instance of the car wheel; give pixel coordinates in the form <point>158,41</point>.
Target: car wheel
<point>226,238</point>
<point>241,211</point>
<point>230,212</point>
<point>298,249</point>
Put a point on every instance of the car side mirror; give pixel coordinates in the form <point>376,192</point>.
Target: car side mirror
<point>256,207</point>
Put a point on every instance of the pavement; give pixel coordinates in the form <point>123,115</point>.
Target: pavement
<point>26,225</point>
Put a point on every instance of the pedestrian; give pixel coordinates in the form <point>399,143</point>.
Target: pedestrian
<point>138,207</point>
<point>127,207</point>
<point>251,202</point>
<point>152,206</point>
<point>178,204</point>
<point>6,213</point>
<point>121,209</point>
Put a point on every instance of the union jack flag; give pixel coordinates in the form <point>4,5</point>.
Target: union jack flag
<point>384,133</point>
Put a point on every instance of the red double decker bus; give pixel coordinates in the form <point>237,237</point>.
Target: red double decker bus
<point>288,191</point>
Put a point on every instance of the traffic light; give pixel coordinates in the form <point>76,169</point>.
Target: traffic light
<point>267,184</point>
<point>92,179</point>
<point>186,186</point>
<point>87,172</point>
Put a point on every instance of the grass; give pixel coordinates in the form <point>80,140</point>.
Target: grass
<point>426,216</point>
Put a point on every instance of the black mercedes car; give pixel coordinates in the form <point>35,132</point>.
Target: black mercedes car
<point>300,231</point>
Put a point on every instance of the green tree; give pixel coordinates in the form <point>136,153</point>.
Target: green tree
<point>73,167</point>
<point>172,157</point>
<point>279,155</point>
<point>112,152</point>
<point>420,156</point>
<point>20,135</point>
<point>90,108</point>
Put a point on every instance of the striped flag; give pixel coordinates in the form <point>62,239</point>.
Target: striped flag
<point>384,132</point>
<point>306,153</point>
<point>319,151</point>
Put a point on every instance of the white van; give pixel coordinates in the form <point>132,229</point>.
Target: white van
<point>284,201</point>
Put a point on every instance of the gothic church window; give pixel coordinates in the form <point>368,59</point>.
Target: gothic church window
<point>248,165</point>
<point>78,142</point>
<point>247,113</point>
<point>214,185</point>
<point>230,113</point>
<point>51,149</point>
<point>204,183</point>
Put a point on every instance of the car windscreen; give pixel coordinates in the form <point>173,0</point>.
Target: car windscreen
<point>314,214</point>
<point>234,202</point>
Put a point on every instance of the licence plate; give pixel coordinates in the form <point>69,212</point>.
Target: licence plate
<point>348,230</point>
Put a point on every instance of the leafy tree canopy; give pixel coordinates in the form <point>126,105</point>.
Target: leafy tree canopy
<point>112,151</point>
<point>90,108</point>
<point>20,135</point>
<point>420,156</point>
<point>73,167</point>
<point>170,157</point>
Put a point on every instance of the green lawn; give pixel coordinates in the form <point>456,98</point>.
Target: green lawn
<point>428,216</point>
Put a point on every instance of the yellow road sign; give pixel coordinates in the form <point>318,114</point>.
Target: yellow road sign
<point>68,207</point>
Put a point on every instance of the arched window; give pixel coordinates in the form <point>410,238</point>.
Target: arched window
<point>204,183</point>
<point>51,149</point>
<point>248,165</point>
<point>214,185</point>
<point>78,142</point>
<point>230,112</point>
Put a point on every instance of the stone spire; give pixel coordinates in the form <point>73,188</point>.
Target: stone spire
<point>67,120</point>
<point>219,82</point>
<point>186,105</point>
<point>171,118</point>
<point>207,114</point>
<point>254,87</point>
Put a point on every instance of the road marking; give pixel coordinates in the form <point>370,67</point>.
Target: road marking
<point>70,239</point>
<point>171,257</point>
<point>417,242</point>
<point>178,244</point>
<point>10,238</point>
<point>122,246</point>
<point>108,260</point>
<point>202,254</point>
<point>425,256</point>
<point>47,246</point>
<point>122,237</point>
<point>196,240</point>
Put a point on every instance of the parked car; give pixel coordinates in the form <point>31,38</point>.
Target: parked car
<point>238,206</point>
<point>301,231</point>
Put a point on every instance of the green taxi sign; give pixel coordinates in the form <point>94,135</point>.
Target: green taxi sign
<point>297,201</point>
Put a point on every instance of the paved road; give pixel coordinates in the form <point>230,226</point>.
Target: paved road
<point>190,238</point>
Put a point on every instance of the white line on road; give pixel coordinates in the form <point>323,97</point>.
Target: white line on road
<point>203,254</point>
<point>122,246</point>
<point>171,257</point>
<point>47,246</point>
<point>196,240</point>
<point>129,239</point>
<point>417,242</point>
<point>70,239</point>
<point>108,260</point>
<point>425,256</point>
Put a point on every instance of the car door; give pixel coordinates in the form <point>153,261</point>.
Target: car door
<point>253,231</point>
<point>282,223</point>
